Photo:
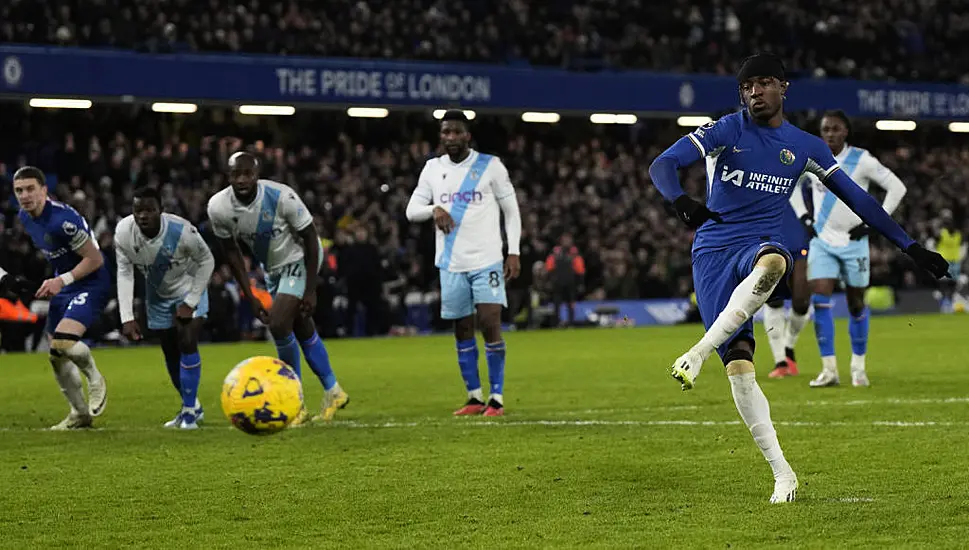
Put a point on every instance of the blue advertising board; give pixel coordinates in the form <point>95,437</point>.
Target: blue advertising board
<point>51,71</point>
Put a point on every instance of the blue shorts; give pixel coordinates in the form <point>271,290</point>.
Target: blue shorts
<point>460,292</point>
<point>290,278</point>
<point>848,263</point>
<point>83,304</point>
<point>955,269</point>
<point>796,238</point>
<point>717,272</point>
<point>161,311</point>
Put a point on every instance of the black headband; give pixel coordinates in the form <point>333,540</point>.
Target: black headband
<point>762,64</point>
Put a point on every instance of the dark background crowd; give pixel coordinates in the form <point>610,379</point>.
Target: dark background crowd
<point>576,181</point>
<point>871,39</point>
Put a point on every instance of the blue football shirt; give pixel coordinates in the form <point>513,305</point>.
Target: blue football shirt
<point>59,232</point>
<point>751,172</point>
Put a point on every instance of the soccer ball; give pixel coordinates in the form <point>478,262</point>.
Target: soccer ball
<point>261,395</point>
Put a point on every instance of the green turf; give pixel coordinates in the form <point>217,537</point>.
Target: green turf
<point>587,455</point>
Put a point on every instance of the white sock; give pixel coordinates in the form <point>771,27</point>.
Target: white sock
<point>746,299</point>
<point>476,394</point>
<point>80,354</point>
<point>775,323</point>
<point>69,379</point>
<point>498,397</point>
<point>795,324</point>
<point>857,363</point>
<point>830,364</point>
<point>755,411</point>
<point>335,390</point>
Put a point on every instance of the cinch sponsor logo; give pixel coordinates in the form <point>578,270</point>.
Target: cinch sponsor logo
<point>467,197</point>
<point>274,234</point>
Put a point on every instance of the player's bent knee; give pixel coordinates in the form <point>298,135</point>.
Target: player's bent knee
<point>739,366</point>
<point>774,263</point>
<point>738,361</point>
<point>62,341</point>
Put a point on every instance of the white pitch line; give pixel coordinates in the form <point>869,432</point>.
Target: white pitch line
<point>853,403</point>
<point>504,423</point>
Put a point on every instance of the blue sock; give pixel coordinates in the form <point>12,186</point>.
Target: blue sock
<point>823,324</point>
<point>288,351</point>
<point>189,376</point>
<point>172,363</point>
<point>495,354</point>
<point>319,360</point>
<point>468,361</point>
<point>858,329</point>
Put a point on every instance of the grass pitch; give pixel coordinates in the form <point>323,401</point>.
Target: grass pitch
<point>599,448</point>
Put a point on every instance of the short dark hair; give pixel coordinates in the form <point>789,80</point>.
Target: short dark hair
<point>455,114</point>
<point>30,172</point>
<point>838,113</point>
<point>147,192</point>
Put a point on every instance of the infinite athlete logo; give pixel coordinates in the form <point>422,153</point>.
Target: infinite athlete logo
<point>465,197</point>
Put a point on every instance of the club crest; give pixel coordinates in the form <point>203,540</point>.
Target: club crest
<point>787,157</point>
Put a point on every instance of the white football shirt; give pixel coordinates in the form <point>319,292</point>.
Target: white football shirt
<point>270,225</point>
<point>474,192</point>
<point>176,263</point>
<point>832,217</point>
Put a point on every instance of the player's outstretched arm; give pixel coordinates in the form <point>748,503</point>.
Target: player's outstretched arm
<point>665,169</point>
<point>202,257</point>
<point>800,208</point>
<point>420,207</point>
<point>311,253</point>
<point>894,188</point>
<point>91,261</point>
<point>508,202</point>
<point>126,285</point>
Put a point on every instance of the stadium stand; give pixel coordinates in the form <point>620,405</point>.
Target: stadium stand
<point>357,176</point>
<point>872,40</point>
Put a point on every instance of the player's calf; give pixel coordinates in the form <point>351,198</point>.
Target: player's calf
<point>490,318</point>
<point>76,351</point>
<point>755,411</point>
<point>68,377</point>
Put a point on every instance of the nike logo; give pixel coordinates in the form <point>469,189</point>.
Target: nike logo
<point>735,150</point>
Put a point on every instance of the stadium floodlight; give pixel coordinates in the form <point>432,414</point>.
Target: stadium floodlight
<point>439,113</point>
<point>693,120</point>
<point>959,127</point>
<point>367,112</point>
<point>895,125</point>
<point>55,103</point>
<point>607,118</point>
<point>283,110</point>
<point>182,108</point>
<point>548,118</point>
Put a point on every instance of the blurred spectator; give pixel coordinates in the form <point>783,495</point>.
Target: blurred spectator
<point>566,268</point>
<point>869,39</point>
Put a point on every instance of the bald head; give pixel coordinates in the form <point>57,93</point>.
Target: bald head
<point>244,176</point>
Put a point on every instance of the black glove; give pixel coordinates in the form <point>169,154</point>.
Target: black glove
<point>933,262</point>
<point>808,225</point>
<point>694,214</point>
<point>859,232</point>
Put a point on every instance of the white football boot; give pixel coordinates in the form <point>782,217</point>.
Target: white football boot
<point>73,421</point>
<point>687,368</point>
<point>97,395</point>
<point>196,412</point>
<point>785,489</point>
<point>825,379</point>
<point>859,378</point>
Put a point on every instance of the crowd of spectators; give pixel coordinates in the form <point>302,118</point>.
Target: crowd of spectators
<point>356,176</point>
<point>868,39</point>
